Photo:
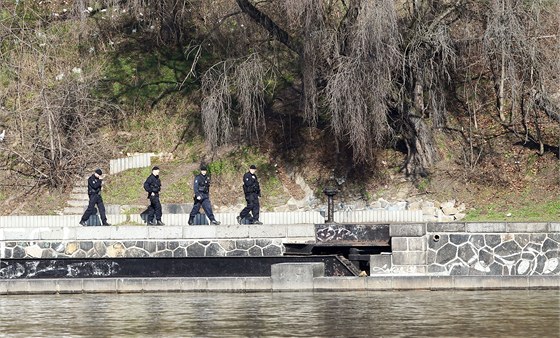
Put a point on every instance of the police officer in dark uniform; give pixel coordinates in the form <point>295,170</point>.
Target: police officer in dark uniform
<point>153,187</point>
<point>252,191</point>
<point>95,182</point>
<point>202,196</point>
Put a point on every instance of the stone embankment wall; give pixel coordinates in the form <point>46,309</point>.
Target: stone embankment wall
<point>472,249</point>
<point>494,249</point>
<point>141,241</point>
<point>146,248</point>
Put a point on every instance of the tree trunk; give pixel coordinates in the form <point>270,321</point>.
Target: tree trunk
<point>501,87</point>
<point>421,151</point>
<point>267,23</point>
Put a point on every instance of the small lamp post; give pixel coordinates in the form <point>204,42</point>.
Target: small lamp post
<point>330,192</point>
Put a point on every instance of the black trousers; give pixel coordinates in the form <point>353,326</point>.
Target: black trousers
<point>253,207</point>
<point>154,208</point>
<point>206,205</point>
<point>95,199</point>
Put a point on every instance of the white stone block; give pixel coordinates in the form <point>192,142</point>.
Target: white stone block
<point>199,232</point>
<point>232,231</point>
<point>165,232</point>
<point>301,230</point>
<point>263,231</point>
<point>295,276</point>
<point>93,232</point>
<point>128,232</point>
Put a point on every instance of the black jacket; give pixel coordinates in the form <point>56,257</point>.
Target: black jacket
<point>152,185</point>
<point>94,185</point>
<point>251,184</point>
<point>201,186</point>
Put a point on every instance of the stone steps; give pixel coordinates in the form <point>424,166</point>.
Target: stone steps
<point>78,199</point>
<point>80,196</point>
<point>79,190</point>
<point>77,203</point>
<point>73,210</point>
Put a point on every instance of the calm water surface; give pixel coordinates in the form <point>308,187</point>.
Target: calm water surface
<point>348,314</point>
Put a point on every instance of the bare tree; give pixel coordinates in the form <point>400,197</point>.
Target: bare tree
<point>243,80</point>
<point>353,61</point>
<point>54,116</point>
<point>522,58</point>
<point>376,71</point>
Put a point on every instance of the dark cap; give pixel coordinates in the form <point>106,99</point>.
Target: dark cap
<point>98,171</point>
<point>203,167</point>
<point>155,168</point>
<point>253,166</point>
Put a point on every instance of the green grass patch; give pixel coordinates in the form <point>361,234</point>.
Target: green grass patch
<point>179,191</point>
<point>538,212</point>
<point>126,187</point>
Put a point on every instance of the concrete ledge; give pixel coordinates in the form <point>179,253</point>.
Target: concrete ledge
<point>268,218</point>
<point>259,231</point>
<point>407,230</point>
<point>158,284</point>
<point>239,231</point>
<point>128,232</point>
<point>526,227</point>
<point>99,285</point>
<point>344,283</point>
<point>412,283</point>
<point>379,283</point>
<point>446,227</point>
<point>295,276</point>
<point>226,284</point>
<point>441,283</point>
<point>301,232</point>
<point>554,227</point>
<point>129,285</point>
<point>266,284</point>
<point>489,227</point>
<point>194,284</point>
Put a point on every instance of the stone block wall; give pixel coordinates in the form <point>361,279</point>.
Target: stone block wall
<point>143,248</point>
<point>408,245</point>
<point>475,249</point>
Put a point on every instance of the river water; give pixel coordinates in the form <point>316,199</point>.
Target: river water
<point>306,314</point>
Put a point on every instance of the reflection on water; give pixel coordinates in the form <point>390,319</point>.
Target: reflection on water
<point>351,314</point>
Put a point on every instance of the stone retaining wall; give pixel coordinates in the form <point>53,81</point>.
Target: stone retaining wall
<point>472,249</point>
<point>146,248</point>
<point>153,241</point>
<point>418,248</point>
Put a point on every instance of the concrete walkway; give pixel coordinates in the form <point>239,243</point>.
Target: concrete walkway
<point>268,218</point>
<point>267,284</point>
<point>294,232</point>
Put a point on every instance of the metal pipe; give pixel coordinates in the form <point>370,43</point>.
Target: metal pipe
<point>330,192</point>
